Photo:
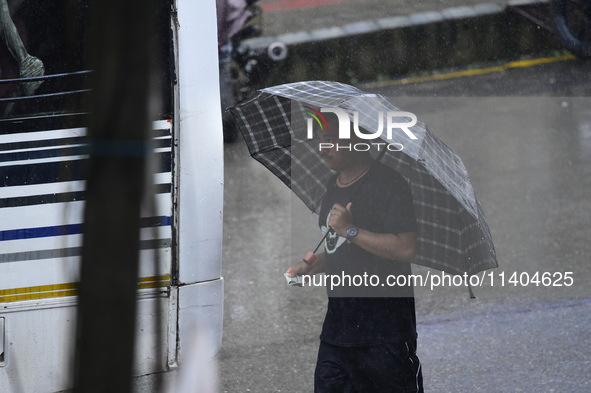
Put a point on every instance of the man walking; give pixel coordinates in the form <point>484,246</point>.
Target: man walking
<point>368,339</point>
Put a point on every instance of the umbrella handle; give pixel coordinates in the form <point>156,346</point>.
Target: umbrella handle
<point>310,256</point>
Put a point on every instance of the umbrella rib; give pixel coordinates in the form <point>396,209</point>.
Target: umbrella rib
<point>436,207</point>
<point>435,262</point>
<point>442,245</point>
<point>435,225</point>
<point>245,122</point>
<point>486,262</point>
<point>269,128</point>
<point>476,244</point>
<point>283,114</point>
<point>468,227</point>
<point>441,190</point>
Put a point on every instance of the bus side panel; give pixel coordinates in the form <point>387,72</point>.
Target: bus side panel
<point>41,216</point>
<point>152,326</point>
<point>38,345</point>
<point>39,351</point>
<point>201,313</point>
<point>200,141</point>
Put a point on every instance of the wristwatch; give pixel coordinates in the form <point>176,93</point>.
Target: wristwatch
<point>352,232</point>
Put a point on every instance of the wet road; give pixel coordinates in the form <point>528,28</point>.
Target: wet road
<point>525,138</point>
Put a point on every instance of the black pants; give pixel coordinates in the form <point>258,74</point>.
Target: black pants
<point>392,367</point>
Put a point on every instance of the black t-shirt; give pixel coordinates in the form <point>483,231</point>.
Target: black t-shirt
<point>373,312</point>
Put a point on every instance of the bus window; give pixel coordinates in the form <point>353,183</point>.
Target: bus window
<point>44,70</point>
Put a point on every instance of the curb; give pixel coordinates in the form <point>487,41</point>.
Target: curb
<point>392,47</point>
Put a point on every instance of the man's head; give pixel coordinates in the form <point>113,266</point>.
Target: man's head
<point>338,154</point>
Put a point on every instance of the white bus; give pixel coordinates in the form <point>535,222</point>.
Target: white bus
<point>42,194</point>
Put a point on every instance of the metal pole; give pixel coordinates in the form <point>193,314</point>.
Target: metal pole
<point>121,54</point>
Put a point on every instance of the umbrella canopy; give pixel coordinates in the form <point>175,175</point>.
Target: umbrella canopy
<point>453,235</point>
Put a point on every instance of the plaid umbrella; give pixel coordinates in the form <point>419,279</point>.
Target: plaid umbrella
<point>453,235</point>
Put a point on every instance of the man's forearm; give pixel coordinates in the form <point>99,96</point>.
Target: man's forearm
<point>399,247</point>
<point>319,264</point>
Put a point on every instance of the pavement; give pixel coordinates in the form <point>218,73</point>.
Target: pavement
<point>284,16</point>
<point>353,41</point>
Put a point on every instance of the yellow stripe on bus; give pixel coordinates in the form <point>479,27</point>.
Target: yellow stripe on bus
<point>36,296</point>
<point>155,278</point>
<point>68,289</point>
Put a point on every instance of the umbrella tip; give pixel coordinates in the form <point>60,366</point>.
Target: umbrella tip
<point>471,292</point>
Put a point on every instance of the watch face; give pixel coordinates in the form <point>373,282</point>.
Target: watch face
<point>351,232</point>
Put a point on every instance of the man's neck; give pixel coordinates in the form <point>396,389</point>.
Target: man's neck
<point>356,170</point>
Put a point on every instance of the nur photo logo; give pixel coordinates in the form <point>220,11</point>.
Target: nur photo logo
<point>391,120</point>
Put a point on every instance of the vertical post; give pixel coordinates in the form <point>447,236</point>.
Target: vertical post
<point>121,53</point>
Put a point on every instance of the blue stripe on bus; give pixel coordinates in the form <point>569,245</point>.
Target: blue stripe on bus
<point>71,229</point>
